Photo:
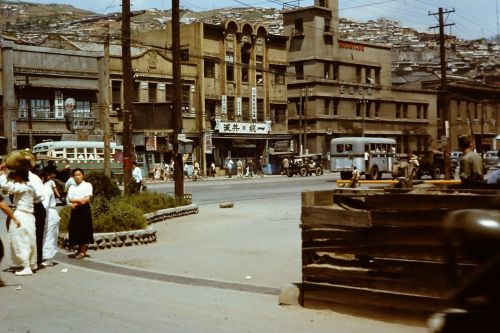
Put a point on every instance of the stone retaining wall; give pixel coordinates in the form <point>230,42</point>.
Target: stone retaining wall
<point>108,240</point>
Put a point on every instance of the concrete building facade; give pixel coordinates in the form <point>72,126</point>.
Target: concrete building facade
<point>241,87</point>
<point>342,88</point>
<point>49,94</point>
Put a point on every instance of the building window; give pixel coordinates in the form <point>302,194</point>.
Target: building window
<point>260,109</point>
<point>209,69</point>
<point>229,72</point>
<point>369,79</point>
<point>259,73</point>
<point>326,70</point>
<point>476,111</point>
<point>419,111</point>
<point>358,74</point>
<point>327,24</point>
<point>377,109</point>
<point>368,109</point>
<point>230,108</point>
<point>426,108</point>
<point>358,108</point>
<point>185,55</point>
<point>398,110</point>
<point>327,106</point>
<point>377,75</point>
<point>152,87</point>
<point>336,103</point>
<point>335,71</point>
<point>279,74</point>
<point>299,70</point>
<point>244,72</point>
<point>245,108</point>
<point>405,111</point>
<point>298,27</point>
<point>280,114</point>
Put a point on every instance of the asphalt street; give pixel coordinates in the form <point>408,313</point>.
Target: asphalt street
<point>218,271</point>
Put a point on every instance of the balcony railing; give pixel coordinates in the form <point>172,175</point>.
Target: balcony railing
<point>44,114</point>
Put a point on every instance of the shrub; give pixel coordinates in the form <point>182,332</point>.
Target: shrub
<point>102,185</point>
<point>123,213</point>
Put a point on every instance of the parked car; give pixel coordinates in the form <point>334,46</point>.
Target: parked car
<point>305,165</point>
<point>491,159</point>
<point>455,156</point>
<point>431,164</point>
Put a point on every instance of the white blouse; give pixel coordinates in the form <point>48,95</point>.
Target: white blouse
<point>49,199</point>
<point>23,194</point>
<point>79,191</point>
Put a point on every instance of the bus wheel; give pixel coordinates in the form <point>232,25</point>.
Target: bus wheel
<point>303,172</point>
<point>374,174</point>
<point>345,175</point>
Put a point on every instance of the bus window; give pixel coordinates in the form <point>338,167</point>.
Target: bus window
<point>383,148</point>
<point>348,148</point>
<point>340,148</point>
<point>70,153</point>
<point>90,154</point>
<point>58,153</point>
<point>99,153</point>
<point>80,153</point>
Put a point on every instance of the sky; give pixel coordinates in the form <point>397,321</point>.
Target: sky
<point>472,18</point>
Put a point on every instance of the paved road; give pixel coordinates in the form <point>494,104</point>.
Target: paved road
<point>217,271</point>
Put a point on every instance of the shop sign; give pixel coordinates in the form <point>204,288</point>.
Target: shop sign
<point>69,104</point>
<point>254,103</point>
<point>351,46</point>
<point>151,143</point>
<point>223,104</point>
<point>208,142</point>
<point>238,106</point>
<point>243,128</point>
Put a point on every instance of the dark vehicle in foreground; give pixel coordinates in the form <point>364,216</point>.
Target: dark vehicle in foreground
<point>431,164</point>
<point>491,159</point>
<point>305,165</point>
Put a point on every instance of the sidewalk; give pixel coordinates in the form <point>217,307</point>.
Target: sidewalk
<point>217,271</point>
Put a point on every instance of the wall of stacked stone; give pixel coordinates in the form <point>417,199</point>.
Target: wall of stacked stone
<point>108,240</point>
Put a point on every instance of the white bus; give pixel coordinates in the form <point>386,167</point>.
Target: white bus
<point>371,156</point>
<point>87,155</point>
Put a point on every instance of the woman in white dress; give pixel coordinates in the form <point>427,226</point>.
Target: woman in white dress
<point>23,237</point>
<point>51,221</point>
<point>80,223</point>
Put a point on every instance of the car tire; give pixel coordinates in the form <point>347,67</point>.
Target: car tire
<point>303,172</point>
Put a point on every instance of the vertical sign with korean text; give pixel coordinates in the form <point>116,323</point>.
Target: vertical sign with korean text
<point>223,104</point>
<point>254,103</point>
<point>238,106</point>
<point>208,142</point>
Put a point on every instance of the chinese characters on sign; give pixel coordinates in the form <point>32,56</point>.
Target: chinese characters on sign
<point>208,142</point>
<point>223,104</point>
<point>351,46</point>
<point>254,103</point>
<point>238,106</point>
<point>243,128</point>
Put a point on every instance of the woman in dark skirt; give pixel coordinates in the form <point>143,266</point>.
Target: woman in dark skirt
<point>80,222</point>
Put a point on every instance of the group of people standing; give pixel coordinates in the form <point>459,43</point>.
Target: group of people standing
<point>33,220</point>
<point>246,169</point>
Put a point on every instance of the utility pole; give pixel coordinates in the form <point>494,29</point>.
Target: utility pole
<point>106,105</point>
<point>300,124</point>
<point>443,92</point>
<point>27,85</point>
<point>128,153</point>
<point>307,92</point>
<point>480,150</point>
<point>177,98</point>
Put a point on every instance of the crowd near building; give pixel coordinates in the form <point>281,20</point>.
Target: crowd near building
<point>247,90</point>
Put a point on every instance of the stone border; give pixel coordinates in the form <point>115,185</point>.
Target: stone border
<point>107,240</point>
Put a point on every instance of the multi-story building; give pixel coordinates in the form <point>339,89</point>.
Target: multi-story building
<point>343,88</point>
<point>241,88</point>
<point>49,94</point>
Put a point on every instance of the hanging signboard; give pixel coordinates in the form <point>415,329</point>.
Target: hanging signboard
<point>223,104</point>
<point>208,142</point>
<point>254,103</point>
<point>238,106</point>
<point>151,143</point>
<point>243,128</point>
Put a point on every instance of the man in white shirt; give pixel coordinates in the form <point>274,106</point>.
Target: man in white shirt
<point>137,175</point>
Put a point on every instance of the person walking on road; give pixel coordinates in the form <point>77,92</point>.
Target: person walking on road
<point>229,166</point>
<point>80,222</point>
<point>250,166</point>
<point>40,214</point>
<point>239,168</point>
<point>51,222</point>
<point>471,164</point>
<point>285,165</point>
<point>260,166</point>
<point>137,178</point>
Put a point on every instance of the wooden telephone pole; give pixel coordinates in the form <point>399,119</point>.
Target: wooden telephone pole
<point>128,89</point>
<point>177,98</point>
<point>443,92</point>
